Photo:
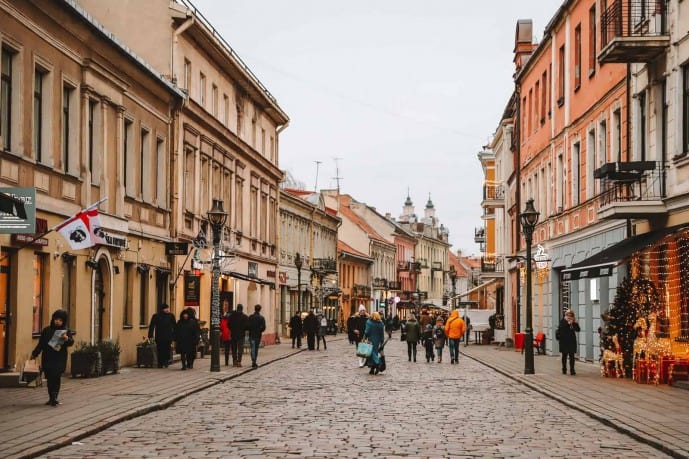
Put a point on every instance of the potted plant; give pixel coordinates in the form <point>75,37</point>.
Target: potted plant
<point>86,360</point>
<point>146,355</point>
<point>110,356</point>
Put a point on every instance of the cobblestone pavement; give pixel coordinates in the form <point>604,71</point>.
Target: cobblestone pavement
<point>320,404</point>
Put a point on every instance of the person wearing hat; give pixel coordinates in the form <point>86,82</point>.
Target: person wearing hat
<point>162,327</point>
<point>428,343</point>
<point>53,344</point>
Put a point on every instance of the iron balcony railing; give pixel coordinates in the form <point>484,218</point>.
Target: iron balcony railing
<point>436,266</point>
<point>631,181</point>
<point>634,18</point>
<point>492,264</point>
<point>380,282</point>
<point>479,235</point>
<point>394,285</point>
<point>493,191</point>
<point>361,291</point>
<point>328,265</point>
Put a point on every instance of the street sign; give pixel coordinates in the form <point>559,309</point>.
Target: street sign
<point>17,210</point>
<point>176,248</point>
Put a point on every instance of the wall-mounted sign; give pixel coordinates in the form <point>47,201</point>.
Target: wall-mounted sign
<point>31,239</point>
<point>253,269</point>
<point>283,277</point>
<point>192,290</point>
<point>17,210</point>
<point>270,274</point>
<point>110,239</point>
<point>541,258</point>
<point>176,248</point>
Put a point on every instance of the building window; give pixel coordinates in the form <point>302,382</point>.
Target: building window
<point>6,97</point>
<point>559,184</point>
<point>67,107</point>
<point>593,32</point>
<point>617,135</point>
<point>253,212</point>
<point>642,126</point>
<point>576,161</point>
<point>189,162</point>
<point>143,298</point>
<point>38,115</point>
<point>226,111</point>
<point>561,77</point>
<point>239,204</point>
<point>38,292</point>
<point>577,57</point>
<point>68,290</point>
<point>94,140</point>
<point>590,163</point>
<point>272,149</point>
<point>162,286</point>
<point>264,217</point>
<point>128,290</point>
<point>202,90</point>
<point>128,149</point>
<point>159,181</point>
<point>685,109</point>
<point>544,95</point>
<point>537,106</point>
<point>214,100</point>
<point>187,75</point>
<point>144,167</point>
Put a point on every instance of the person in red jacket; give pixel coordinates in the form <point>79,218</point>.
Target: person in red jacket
<point>225,335</point>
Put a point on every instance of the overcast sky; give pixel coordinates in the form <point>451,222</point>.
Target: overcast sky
<point>404,92</point>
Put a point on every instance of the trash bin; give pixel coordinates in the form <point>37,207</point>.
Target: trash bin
<point>519,340</point>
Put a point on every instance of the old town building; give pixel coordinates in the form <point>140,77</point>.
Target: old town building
<point>226,147</point>
<point>309,229</point>
<point>83,118</point>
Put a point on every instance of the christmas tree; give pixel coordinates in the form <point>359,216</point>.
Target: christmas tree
<point>636,297</point>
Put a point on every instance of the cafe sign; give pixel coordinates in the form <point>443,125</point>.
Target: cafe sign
<point>17,211</point>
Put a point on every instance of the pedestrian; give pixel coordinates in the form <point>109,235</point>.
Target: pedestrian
<point>162,327</point>
<point>467,326</point>
<point>53,344</point>
<point>428,343</point>
<point>296,329</point>
<point>187,334</point>
<point>311,326</point>
<point>388,327</point>
<point>238,326</point>
<point>374,331</point>
<point>566,335</point>
<point>439,338</point>
<point>351,328</point>
<point>322,330</point>
<point>225,333</point>
<point>426,319</point>
<point>412,333</point>
<point>256,324</point>
<point>359,329</point>
<point>454,330</point>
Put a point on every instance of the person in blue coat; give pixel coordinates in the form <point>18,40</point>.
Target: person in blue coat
<point>375,332</point>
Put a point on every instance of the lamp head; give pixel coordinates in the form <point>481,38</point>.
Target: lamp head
<point>217,214</point>
<point>298,262</point>
<point>529,217</point>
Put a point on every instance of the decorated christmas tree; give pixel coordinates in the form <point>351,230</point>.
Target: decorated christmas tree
<point>636,297</point>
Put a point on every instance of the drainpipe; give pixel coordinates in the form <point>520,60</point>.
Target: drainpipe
<point>629,129</point>
<point>518,196</point>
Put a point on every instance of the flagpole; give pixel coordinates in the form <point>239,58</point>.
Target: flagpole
<point>26,244</point>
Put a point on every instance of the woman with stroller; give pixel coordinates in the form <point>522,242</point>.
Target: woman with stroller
<point>375,332</point>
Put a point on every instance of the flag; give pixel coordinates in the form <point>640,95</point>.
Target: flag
<point>83,230</point>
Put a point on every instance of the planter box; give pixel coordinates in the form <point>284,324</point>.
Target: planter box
<point>86,365</point>
<point>146,356</point>
<point>111,364</point>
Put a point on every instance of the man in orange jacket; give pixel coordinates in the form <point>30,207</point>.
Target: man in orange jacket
<point>454,330</point>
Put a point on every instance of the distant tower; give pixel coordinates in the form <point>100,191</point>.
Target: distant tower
<point>408,211</point>
<point>429,213</point>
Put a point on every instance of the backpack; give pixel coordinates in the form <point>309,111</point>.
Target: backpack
<point>439,333</point>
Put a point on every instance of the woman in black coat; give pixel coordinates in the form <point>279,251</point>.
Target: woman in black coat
<point>54,346</point>
<point>566,334</point>
<point>187,334</point>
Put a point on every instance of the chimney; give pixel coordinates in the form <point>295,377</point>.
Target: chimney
<point>523,43</point>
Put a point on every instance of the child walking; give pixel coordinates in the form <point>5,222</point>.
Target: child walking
<point>428,342</point>
<point>439,338</point>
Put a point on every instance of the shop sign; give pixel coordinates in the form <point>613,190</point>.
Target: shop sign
<point>588,273</point>
<point>192,290</point>
<point>109,239</point>
<point>270,274</point>
<point>541,258</point>
<point>18,211</point>
<point>176,248</point>
<point>30,239</point>
<point>253,269</point>
<point>283,277</point>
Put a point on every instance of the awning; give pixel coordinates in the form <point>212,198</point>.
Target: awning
<point>241,276</point>
<point>602,263</point>
<point>472,290</point>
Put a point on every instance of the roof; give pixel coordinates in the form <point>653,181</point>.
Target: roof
<point>347,212</point>
<point>454,261</point>
<point>344,247</point>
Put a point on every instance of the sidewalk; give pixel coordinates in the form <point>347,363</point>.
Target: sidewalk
<point>656,415</point>
<point>28,428</point>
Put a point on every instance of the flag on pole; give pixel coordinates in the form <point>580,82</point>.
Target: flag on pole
<point>83,230</point>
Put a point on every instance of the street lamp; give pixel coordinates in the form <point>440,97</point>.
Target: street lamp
<point>528,219</point>
<point>298,262</point>
<point>453,278</point>
<point>217,217</point>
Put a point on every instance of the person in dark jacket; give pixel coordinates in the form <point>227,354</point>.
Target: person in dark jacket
<point>360,326</point>
<point>322,331</point>
<point>311,326</point>
<point>187,334</point>
<point>351,327</point>
<point>256,325</point>
<point>162,327</point>
<point>238,325</point>
<point>566,334</point>
<point>296,329</point>
<point>53,344</point>
<point>225,334</point>
<point>413,334</point>
<point>375,332</point>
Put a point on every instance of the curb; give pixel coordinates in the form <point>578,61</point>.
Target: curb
<point>622,428</point>
<point>163,404</point>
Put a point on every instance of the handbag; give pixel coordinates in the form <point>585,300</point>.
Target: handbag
<point>31,372</point>
<point>364,349</point>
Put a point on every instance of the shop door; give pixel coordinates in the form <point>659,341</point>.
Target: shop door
<point>5,317</point>
<point>98,307</point>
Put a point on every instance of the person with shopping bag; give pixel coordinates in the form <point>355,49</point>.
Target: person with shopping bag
<point>375,334</point>
<point>53,344</point>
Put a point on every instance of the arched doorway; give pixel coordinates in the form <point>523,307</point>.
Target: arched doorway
<point>100,306</point>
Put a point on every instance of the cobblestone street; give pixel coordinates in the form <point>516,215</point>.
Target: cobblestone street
<point>319,404</point>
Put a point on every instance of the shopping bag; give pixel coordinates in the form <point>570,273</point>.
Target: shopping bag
<point>364,349</point>
<point>31,372</point>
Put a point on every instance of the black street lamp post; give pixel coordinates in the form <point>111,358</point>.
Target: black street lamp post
<point>298,262</point>
<point>453,278</point>
<point>217,217</point>
<point>528,219</point>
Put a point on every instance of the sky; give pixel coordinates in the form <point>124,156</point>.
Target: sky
<point>398,94</point>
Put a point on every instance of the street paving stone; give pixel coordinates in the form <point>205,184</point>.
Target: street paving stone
<point>320,404</point>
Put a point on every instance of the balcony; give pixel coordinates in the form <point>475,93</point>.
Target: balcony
<point>633,189</point>
<point>479,235</point>
<point>493,195</point>
<point>492,266</point>
<point>361,292</point>
<point>436,266</point>
<point>634,31</point>
<point>380,283</point>
<point>324,265</point>
<point>422,262</point>
<point>394,285</point>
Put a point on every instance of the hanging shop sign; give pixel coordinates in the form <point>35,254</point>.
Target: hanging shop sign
<point>176,248</point>
<point>18,211</point>
<point>192,290</point>
<point>33,239</point>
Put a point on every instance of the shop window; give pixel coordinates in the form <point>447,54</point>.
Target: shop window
<point>128,294</point>
<point>683,249</point>
<point>162,284</point>
<point>685,110</point>
<point>565,298</point>
<point>38,292</point>
<point>68,287</point>
<point>143,298</point>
